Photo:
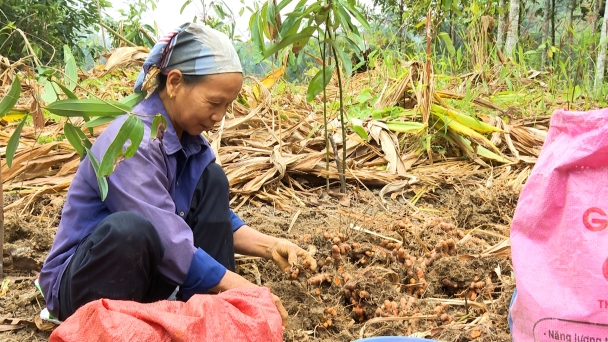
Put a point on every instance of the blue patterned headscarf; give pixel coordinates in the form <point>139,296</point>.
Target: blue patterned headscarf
<point>194,50</point>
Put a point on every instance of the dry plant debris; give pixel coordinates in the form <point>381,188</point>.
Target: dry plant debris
<point>412,272</point>
<point>272,148</point>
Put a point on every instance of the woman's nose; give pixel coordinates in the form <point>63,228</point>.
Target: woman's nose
<point>218,116</point>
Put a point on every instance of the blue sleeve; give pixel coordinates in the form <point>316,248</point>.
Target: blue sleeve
<point>204,273</point>
<point>236,221</point>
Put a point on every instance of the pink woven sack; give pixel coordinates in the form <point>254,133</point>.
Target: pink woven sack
<point>559,235</point>
<point>242,314</point>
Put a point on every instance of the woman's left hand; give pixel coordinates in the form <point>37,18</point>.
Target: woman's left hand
<point>286,253</point>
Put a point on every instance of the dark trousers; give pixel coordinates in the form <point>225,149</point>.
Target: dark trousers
<point>119,259</point>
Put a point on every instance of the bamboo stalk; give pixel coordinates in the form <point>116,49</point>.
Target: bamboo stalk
<point>343,124</point>
<point>339,165</point>
<point>103,33</point>
<point>324,55</point>
<point>117,35</point>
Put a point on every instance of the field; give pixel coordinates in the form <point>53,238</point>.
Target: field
<point>369,290</point>
<point>417,244</point>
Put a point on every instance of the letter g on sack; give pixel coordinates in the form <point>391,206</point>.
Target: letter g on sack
<point>595,219</point>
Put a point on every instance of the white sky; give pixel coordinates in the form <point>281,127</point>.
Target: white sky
<point>167,15</point>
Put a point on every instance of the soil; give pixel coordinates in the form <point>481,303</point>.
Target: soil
<point>366,276</point>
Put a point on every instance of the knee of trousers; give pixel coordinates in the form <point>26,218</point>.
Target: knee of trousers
<point>216,177</point>
<point>130,228</point>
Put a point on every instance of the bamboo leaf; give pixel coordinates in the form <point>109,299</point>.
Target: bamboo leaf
<point>446,5</point>
<point>135,137</point>
<point>313,130</point>
<point>269,80</point>
<point>87,119</point>
<point>285,42</point>
<point>186,3</point>
<point>11,98</point>
<point>99,121</point>
<point>291,24</point>
<point>344,17</point>
<point>115,150</point>
<point>405,126</point>
<point>158,125</point>
<point>316,85</point>
<point>50,92</point>
<point>257,36</point>
<point>13,142</point>
<point>14,115</point>
<point>71,70</point>
<point>284,3</point>
<point>271,14</point>
<point>337,17</point>
<point>219,11</point>
<point>360,132</point>
<point>466,131</point>
<point>420,24</point>
<point>88,107</point>
<point>67,92</point>
<point>482,151</point>
<point>343,57</point>
<point>74,138</point>
<point>576,93</point>
<point>448,43</point>
<point>464,119</point>
<point>355,12</point>
<point>133,99</point>
<point>102,182</point>
<point>83,138</point>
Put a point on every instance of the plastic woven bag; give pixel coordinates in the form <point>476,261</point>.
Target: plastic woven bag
<point>242,314</point>
<point>559,235</point>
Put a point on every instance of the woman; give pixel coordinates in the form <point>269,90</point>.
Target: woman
<point>166,220</point>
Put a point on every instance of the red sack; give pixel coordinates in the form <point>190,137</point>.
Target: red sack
<point>246,314</point>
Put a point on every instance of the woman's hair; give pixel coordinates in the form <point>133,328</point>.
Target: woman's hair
<point>188,80</point>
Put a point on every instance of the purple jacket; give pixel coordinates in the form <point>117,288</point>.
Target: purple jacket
<point>146,184</point>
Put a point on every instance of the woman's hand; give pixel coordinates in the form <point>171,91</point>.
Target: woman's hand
<point>282,311</point>
<point>286,253</point>
<point>232,280</point>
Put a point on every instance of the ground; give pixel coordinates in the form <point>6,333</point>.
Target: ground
<point>437,282</point>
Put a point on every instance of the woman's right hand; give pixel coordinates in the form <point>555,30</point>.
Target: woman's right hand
<point>281,308</point>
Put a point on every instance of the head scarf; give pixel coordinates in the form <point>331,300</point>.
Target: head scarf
<point>194,50</point>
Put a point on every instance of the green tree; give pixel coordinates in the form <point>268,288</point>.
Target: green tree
<point>129,27</point>
<point>47,25</point>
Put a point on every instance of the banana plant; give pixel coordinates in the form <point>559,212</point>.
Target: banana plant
<point>330,24</point>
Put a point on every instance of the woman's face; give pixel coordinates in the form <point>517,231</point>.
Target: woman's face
<point>198,107</point>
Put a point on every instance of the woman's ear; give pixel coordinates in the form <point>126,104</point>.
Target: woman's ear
<point>174,81</point>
